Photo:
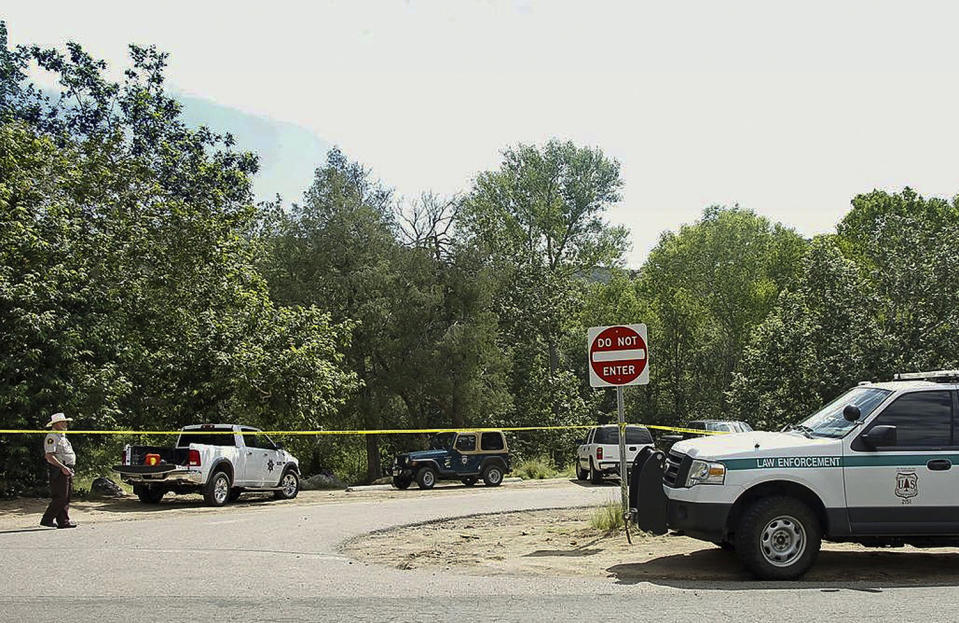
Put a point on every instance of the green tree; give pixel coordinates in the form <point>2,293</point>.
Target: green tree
<point>128,289</point>
<point>707,287</point>
<point>538,222</point>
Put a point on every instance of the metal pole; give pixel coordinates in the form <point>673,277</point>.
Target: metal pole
<point>623,484</point>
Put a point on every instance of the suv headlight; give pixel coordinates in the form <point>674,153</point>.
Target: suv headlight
<point>706,473</point>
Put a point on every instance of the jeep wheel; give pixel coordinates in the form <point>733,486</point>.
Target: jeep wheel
<point>217,491</point>
<point>493,476</point>
<point>595,476</point>
<point>402,482</point>
<point>148,494</point>
<point>426,478</point>
<point>469,482</point>
<point>778,538</point>
<point>581,474</point>
<point>289,486</point>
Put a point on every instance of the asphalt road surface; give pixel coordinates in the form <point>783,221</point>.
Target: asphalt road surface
<point>282,563</point>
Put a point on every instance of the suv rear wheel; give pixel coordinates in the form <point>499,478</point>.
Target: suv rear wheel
<point>493,475</point>
<point>595,476</point>
<point>581,474</point>
<point>778,538</point>
<point>426,478</point>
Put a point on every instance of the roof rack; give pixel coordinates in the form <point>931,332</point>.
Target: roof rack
<point>934,375</point>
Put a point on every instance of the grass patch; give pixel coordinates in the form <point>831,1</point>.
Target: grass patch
<point>607,518</point>
<point>538,468</point>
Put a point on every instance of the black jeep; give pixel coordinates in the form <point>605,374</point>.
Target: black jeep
<point>466,456</point>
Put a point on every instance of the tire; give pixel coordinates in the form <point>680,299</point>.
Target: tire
<point>148,494</point>
<point>235,494</point>
<point>778,538</point>
<point>581,474</point>
<point>290,483</point>
<point>595,476</point>
<point>493,475</point>
<point>217,490</point>
<point>426,478</point>
<point>470,481</point>
<point>401,482</point>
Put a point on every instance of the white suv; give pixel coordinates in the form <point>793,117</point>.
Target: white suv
<point>598,454</point>
<point>875,466</point>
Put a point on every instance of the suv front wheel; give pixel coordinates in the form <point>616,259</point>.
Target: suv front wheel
<point>426,478</point>
<point>778,538</point>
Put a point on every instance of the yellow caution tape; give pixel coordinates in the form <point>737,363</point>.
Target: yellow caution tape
<point>389,431</point>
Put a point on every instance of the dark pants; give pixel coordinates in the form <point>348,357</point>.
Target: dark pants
<point>60,487</point>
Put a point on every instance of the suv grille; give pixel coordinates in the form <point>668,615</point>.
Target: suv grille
<point>677,468</point>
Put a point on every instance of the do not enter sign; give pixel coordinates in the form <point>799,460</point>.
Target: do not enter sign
<point>618,356</point>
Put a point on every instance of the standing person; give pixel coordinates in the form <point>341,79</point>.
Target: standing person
<point>61,458</point>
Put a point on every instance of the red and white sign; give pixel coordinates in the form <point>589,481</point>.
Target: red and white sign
<point>618,355</point>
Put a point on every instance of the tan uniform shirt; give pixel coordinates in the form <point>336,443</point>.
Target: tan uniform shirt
<point>58,445</point>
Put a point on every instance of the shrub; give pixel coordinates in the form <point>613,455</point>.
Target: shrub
<point>607,518</point>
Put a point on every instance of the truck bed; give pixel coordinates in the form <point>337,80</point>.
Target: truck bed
<point>174,456</point>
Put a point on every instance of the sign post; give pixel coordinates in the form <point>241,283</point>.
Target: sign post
<point>618,357</point>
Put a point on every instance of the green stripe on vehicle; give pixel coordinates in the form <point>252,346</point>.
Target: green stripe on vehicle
<point>827,462</point>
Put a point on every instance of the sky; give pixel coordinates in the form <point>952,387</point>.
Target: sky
<point>786,109</point>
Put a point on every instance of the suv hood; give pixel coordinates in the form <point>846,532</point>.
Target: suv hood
<point>757,445</point>
<point>420,455</point>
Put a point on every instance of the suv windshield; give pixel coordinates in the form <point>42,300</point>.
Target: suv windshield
<point>442,441</point>
<point>829,421</point>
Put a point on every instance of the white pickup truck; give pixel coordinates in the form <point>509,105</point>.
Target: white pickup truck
<point>221,461</point>
<point>598,454</point>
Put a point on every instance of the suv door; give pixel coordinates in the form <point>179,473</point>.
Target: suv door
<point>911,487</point>
<point>466,455</point>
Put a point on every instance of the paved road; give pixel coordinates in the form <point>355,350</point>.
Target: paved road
<point>281,563</point>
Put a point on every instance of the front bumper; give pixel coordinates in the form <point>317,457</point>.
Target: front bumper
<point>700,520</point>
<point>700,511</point>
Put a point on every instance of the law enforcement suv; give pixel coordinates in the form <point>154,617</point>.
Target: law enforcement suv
<point>466,456</point>
<point>875,467</point>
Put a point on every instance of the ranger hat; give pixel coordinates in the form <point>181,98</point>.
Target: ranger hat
<point>58,417</point>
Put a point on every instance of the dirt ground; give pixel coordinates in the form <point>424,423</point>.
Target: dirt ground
<point>562,543</point>
<point>22,513</point>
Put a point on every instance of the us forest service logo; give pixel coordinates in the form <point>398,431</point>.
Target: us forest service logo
<point>907,486</point>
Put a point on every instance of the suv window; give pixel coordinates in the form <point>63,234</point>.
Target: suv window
<point>492,441</point>
<point>206,438</point>
<point>466,443</point>
<point>634,435</point>
<point>920,418</point>
<point>257,440</point>
<point>719,427</point>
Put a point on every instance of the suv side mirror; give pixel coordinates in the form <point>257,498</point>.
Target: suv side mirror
<point>852,413</point>
<point>880,436</point>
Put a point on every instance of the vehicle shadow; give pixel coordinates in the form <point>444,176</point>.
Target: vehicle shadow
<point>583,550</point>
<point>870,570</point>
<point>588,485</point>
<point>179,502</point>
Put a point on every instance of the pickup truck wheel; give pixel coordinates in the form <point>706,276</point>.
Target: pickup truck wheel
<point>493,476</point>
<point>426,478</point>
<point>401,482</point>
<point>595,476</point>
<point>470,481</point>
<point>148,494</point>
<point>217,491</point>
<point>289,486</point>
<point>778,538</point>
